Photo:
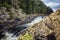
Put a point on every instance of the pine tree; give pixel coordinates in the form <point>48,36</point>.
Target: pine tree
<point>28,6</point>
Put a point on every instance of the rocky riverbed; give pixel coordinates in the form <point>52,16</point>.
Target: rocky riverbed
<point>12,28</point>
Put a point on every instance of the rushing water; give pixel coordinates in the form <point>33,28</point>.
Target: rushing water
<point>9,36</point>
<point>36,20</point>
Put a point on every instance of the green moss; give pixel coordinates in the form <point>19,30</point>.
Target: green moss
<point>27,36</point>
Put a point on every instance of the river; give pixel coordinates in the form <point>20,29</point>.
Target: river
<point>9,36</point>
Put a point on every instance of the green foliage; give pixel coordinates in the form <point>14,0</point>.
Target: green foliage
<point>28,6</point>
<point>11,15</point>
<point>6,5</point>
<point>27,36</point>
<point>34,6</point>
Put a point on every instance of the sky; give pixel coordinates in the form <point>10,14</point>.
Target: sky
<point>54,4</point>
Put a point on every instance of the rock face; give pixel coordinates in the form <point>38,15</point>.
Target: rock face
<point>11,13</point>
<point>47,29</point>
<point>17,12</point>
<point>3,14</point>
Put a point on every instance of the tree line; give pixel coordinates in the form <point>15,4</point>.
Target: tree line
<point>28,6</point>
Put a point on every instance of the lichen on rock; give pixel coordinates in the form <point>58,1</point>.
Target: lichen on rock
<point>47,29</point>
<point>27,36</point>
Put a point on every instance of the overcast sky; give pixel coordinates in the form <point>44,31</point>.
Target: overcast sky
<point>54,4</point>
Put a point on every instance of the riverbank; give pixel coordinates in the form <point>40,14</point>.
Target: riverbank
<point>14,26</point>
<point>47,29</point>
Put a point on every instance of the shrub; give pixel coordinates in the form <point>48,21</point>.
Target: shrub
<point>11,15</point>
<point>6,5</point>
<point>27,36</point>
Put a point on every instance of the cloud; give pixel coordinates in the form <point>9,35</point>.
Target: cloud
<point>58,6</point>
<point>52,4</point>
<point>57,1</point>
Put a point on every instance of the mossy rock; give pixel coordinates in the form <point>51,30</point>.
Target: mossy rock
<point>27,36</point>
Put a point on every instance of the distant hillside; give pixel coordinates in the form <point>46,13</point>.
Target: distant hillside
<point>28,6</point>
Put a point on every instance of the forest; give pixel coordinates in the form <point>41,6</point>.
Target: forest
<point>28,6</point>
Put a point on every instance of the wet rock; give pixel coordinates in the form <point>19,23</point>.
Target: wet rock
<point>1,35</point>
<point>4,14</point>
